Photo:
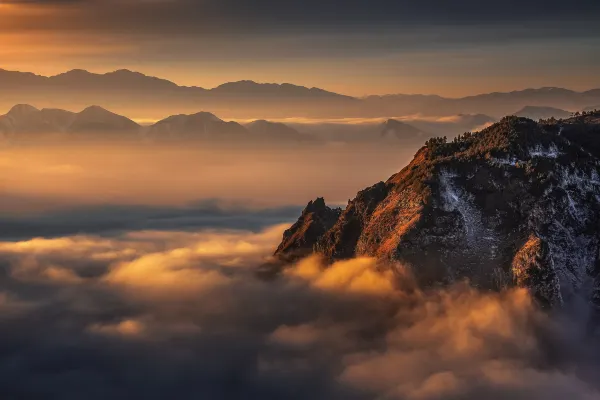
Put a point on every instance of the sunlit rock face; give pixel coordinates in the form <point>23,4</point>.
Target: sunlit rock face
<point>316,219</point>
<point>517,203</point>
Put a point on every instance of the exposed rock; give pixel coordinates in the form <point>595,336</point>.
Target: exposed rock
<point>514,204</point>
<point>534,268</point>
<point>299,239</point>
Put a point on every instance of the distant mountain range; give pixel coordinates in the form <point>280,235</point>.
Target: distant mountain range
<point>144,96</point>
<point>537,113</point>
<point>24,121</point>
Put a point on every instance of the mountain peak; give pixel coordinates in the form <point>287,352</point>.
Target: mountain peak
<point>22,110</point>
<point>125,71</point>
<point>316,219</point>
<point>95,110</point>
<point>315,205</point>
<point>206,114</point>
<point>399,129</point>
<point>76,72</point>
<point>509,205</point>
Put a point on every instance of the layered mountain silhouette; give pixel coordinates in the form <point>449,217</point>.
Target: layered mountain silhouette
<point>515,204</point>
<point>202,125</point>
<point>207,126</point>
<point>134,93</point>
<point>24,120</point>
<point>537,113</point>
<point>494,104</point>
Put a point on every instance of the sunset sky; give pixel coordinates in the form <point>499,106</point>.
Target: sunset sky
<point>353,47</point>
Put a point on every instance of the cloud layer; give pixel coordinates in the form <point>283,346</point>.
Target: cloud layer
<point>157,314</point>
<point>237,15</point>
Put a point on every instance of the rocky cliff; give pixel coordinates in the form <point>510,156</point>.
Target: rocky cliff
<point>517,203</point>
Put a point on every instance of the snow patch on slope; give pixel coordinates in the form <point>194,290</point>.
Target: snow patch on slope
<point>550,152</point>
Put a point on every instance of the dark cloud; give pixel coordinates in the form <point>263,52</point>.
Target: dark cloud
<point>266,15</point>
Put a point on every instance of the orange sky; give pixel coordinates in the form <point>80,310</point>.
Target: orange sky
<point>52,39</point>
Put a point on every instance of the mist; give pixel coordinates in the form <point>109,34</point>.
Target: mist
<point>51,176</point>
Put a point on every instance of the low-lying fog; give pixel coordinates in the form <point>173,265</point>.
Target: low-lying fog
<point>134,173</point>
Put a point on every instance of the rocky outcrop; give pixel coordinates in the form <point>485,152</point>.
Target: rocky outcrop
<point>514,204</point>
<point>534,267</point>
<point>299,239</point>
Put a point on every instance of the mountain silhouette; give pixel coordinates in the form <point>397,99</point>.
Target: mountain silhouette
<point>538,112</point>
<point>400,130</point>
<point>134,93</point>
<point>97,119</point>
<point>268,130</point>
<point>201,125</point>
<point>25,121</point>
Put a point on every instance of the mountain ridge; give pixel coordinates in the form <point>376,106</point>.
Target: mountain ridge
<point>128,90</point>
<point>512,205</point>
<point>31,122</point>
<point>537,112</point>
<point>26,119</point>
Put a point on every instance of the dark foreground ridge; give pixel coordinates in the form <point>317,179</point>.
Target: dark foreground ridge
<point>517,203</point>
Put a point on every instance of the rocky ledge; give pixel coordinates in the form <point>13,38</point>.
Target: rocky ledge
<point>517,203</point>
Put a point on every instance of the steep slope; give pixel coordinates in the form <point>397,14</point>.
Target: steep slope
<point>316,219</point>
<point>514,204</point>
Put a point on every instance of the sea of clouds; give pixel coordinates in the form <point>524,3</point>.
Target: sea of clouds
<point>158,314</point>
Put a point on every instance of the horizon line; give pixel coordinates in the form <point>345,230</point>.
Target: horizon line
<point>293,84</point>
